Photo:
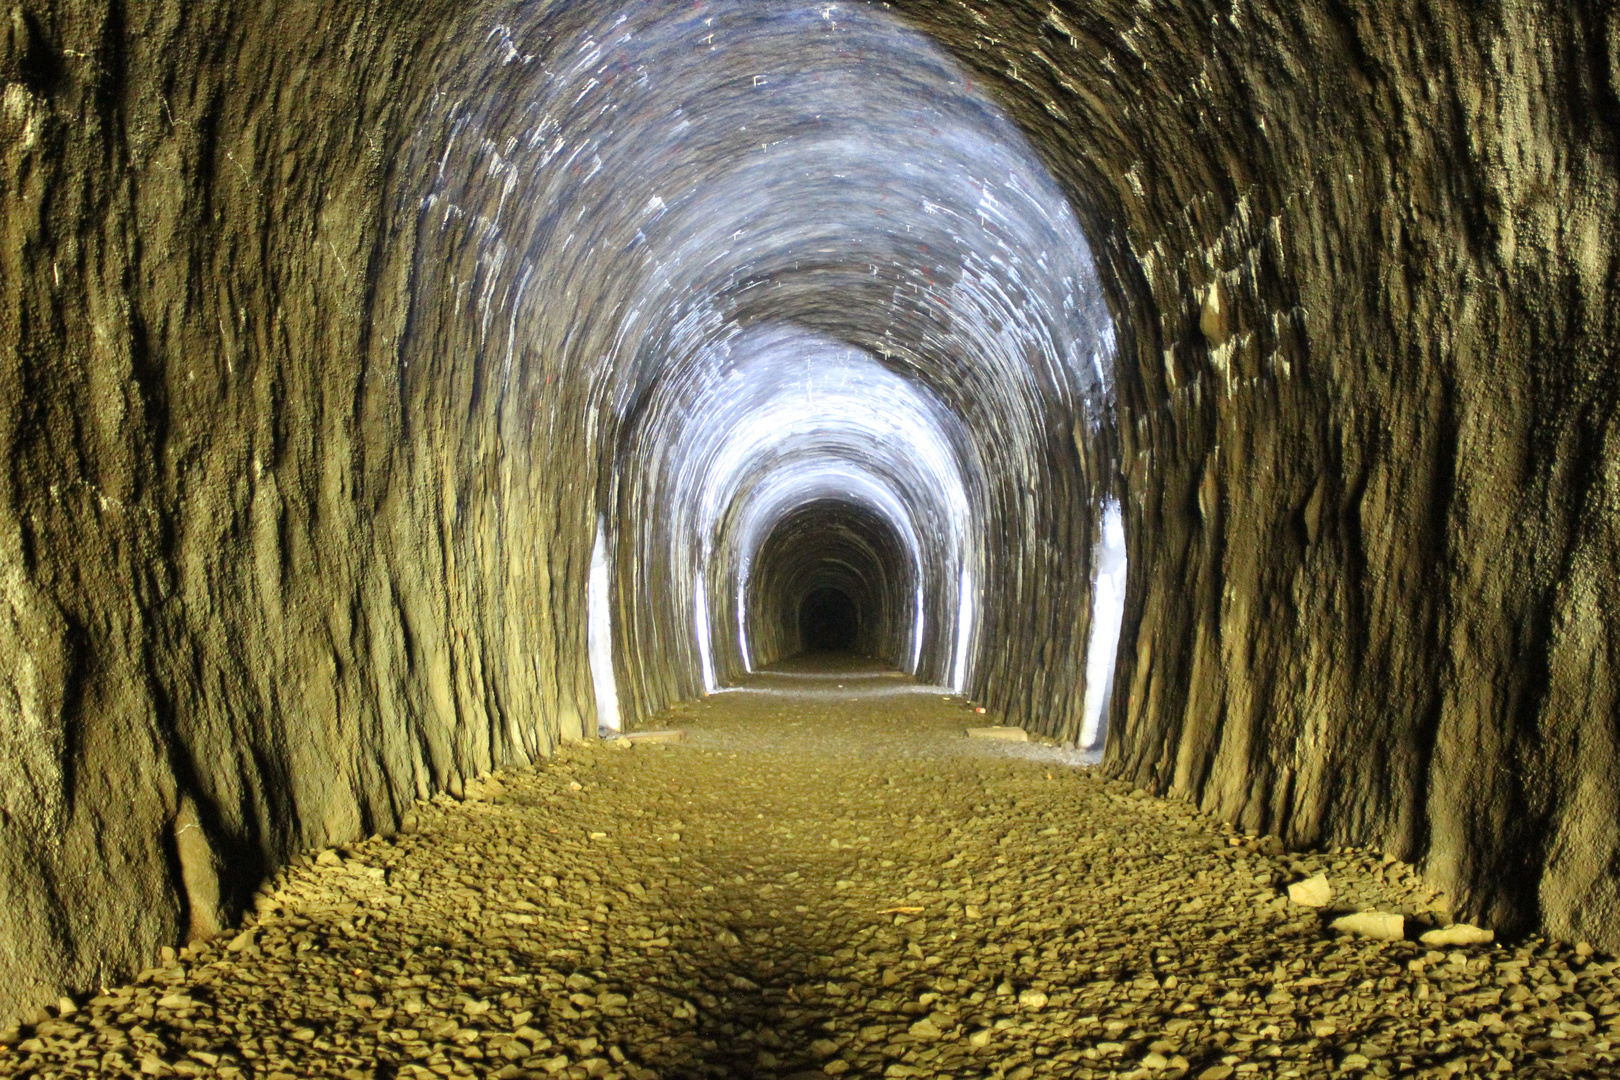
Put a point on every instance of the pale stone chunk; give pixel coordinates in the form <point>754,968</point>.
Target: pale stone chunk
<point>1006,734</point>
<point>925,1029</point>
<point>1032,999</point>
<point>483,789</point>
<point>1379,925</point>
<point>1312,892</point>
<point>1457,934</point>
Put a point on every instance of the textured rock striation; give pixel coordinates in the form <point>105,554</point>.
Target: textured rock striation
<point>1366,437</point>
<point>334,332</point>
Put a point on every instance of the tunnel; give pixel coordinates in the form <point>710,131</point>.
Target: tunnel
<point>829,621</point>
<point>398,393</point>
<point>831,577</point>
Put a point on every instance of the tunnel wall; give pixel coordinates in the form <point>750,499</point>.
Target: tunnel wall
<point>269,572</point>
<point>1367,434</point>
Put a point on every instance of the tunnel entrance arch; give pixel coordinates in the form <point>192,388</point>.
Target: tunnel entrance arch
<point>832,576</point>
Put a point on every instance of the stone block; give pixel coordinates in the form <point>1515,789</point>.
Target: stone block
<point>1314,891</point>
<point>1378,925</point>
<point>1457,934</point>
<point>667,735</point>
<point>1005,734</point>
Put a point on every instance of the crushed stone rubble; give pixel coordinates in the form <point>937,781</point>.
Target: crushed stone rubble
<point>835,883</point>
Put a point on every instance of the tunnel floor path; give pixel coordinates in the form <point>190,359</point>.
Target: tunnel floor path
<point>827,878</point>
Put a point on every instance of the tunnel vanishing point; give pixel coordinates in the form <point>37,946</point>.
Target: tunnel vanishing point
<point>391,392</point>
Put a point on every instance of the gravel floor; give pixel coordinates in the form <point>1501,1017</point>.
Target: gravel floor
<point>827,877</point>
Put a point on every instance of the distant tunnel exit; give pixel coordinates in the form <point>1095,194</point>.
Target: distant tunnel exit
<point>829,621</point>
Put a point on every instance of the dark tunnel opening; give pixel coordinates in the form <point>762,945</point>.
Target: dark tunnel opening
<point>832,576</point>
<point>829,621</point>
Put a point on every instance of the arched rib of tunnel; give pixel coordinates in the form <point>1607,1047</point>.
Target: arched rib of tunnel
<point>336,330</point>
<point>832,577</point>
<point>857,281</point>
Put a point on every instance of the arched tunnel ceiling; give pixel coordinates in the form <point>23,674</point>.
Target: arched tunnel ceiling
<point>780,419</point>
<point>327,350</point>
<point>805,251</point>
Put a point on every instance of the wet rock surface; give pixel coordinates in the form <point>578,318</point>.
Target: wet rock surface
<point>830,882</point>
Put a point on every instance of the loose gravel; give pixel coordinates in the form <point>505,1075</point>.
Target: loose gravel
<point>826,878</point>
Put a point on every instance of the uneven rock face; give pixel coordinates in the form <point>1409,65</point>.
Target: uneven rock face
<point>306,449</point>
<point>1367,258</point>
<point>258,593</point>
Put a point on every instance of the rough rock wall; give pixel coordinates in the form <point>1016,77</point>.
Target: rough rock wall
<point>259,590</point>
<point>1367,256</point>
